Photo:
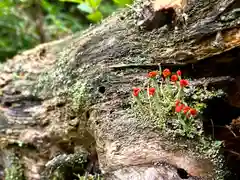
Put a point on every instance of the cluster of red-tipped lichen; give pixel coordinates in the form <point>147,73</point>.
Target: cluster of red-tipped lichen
<point>185,109</point>
<point>165,74</point>
<point>163,95</point>
<point>136,91</point>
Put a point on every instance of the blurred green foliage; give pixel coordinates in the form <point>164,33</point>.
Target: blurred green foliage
<point>26,23</point>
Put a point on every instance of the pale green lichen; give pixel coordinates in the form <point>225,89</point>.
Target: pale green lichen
<point>78,95</point>
<point>15,171</point>
<point>63,165</point>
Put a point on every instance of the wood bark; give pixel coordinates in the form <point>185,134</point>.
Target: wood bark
<point>107,60</point>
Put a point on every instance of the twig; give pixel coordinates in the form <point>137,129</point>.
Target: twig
<point>212,127</point>
<point>233,152</point>
<point>229,128</point>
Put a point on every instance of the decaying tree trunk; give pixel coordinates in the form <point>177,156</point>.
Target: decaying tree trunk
<point>81,109</point>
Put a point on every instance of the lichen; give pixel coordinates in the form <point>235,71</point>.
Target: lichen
<point>79,96</point>
<point>74,77</point>
<point>64,165</point>
<point>15,171</point>
<point>201,146</point>
<point>211,149</point>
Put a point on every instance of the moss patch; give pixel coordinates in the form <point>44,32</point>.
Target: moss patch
<point>15,171</point>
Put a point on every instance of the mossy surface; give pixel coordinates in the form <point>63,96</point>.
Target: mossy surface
<point>84,66</point>
<point>15,171</point>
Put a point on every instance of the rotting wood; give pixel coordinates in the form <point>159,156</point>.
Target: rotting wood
<point>125,146</point>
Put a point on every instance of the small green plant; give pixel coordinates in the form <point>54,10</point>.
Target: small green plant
<point>122,3</point>
<point>162,97</point>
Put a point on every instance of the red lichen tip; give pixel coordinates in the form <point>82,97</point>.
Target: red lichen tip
<point>152,74</point>
<point>174,78</point>
<point>184,83</point>
<point>151,91</point>
<point>166,73</point>
<point>136,91</point>
<point>179,73</point>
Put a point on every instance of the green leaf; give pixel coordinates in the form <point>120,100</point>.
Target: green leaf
<point>84,7</point>
<point>122,2</point>
<point>95,17</point>
<point>94,3</point>
<point>74,1</point>
<point>48,7</point>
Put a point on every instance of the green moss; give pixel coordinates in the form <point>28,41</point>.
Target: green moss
<point>15,171</point>
<point>78,95</point>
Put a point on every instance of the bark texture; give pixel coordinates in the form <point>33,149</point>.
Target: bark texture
<point>83,105</point>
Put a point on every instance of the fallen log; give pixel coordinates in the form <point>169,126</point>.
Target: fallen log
<point>58,102</point>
